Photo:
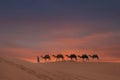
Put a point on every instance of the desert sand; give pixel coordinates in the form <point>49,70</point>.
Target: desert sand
<point>15,69</point>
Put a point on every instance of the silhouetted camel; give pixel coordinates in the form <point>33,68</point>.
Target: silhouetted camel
<point>58,57</point>
<point>71,56</point>
<point>84,56</point>
<point>94,56</point>
<point>46,57</point>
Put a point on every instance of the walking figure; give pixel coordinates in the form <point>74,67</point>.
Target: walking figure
<point>38,59</point>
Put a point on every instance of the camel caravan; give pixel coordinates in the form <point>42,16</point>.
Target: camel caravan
<point>72,57</point>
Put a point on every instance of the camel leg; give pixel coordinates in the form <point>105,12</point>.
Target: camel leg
<point>76,59</point>
<point>45,60</point>
<point>71,59</point>
<point>83,59</point>
<point>87,59</point>
<point>63,59</point>
<point>49,59</point>
<point>98,59</point>
<point>56,59</point>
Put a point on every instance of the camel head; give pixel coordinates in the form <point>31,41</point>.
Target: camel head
<point>79,56</point>
<point>67,55</point>
<point>42,57</point>
<point>90,55</point>
<point>53,55</point>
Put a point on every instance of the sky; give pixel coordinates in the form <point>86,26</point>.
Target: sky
<point>37,27</point>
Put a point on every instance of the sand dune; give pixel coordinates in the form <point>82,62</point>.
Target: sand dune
<point>14,69</point>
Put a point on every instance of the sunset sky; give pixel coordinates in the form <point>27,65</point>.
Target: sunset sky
<point>36,27</point>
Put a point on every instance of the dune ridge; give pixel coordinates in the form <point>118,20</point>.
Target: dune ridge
<point>14,69</point>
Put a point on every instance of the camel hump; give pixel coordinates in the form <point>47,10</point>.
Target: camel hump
<point>95,55</point>
<point>84,55</point>
<point>73,54</point>
<point>47,55</point>
<point>59,54</point>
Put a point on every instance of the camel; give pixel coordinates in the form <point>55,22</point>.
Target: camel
<point>58,57</point>
<point>71,56</point>
<point>94,56</point>
<point>46,57</point>
<point>84,56</point>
